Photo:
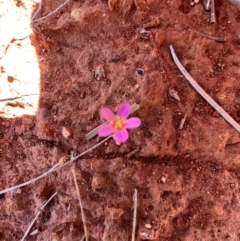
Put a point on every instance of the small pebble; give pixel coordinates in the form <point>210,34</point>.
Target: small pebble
<point>136,86</point>
<point>35,232</point>
<point>66,133</point>
<point>148,225</point>
<point>19,191</point>
<point>163,179</point>
<point>174,94</point>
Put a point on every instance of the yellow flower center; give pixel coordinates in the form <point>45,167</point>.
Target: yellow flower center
<point>118,123</point>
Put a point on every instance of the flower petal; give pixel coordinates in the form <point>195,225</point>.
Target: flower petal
<point>121,136</point>
<point>123,110</point>
<point>105,130</point>
<point>133,122</point>
<point>107,114</point>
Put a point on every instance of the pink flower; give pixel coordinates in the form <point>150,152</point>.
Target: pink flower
<point>118,124</point>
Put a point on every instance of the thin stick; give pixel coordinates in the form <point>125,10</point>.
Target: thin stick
<point>134,214</point>
<point>212,12</point>
<point>80,204</point>
<point>30,181</point>
<point>130,154</point>
<point>182,122</point>
<point>33,221</point>
<point>39,8</point>
<point>94,132</point>
<point>83,238</point>
<point>219,39</point>
<point>199,89</point>
<point>54,168</point>
<point>16,97</point>
<point>207,4</point>
<point>39,19</point>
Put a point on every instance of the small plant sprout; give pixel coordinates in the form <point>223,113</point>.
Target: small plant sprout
<point>118,124</point>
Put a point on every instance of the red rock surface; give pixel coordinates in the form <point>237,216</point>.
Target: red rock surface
<point>187,179</point>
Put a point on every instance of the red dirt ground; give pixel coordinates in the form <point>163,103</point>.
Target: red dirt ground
<point>187,179</point>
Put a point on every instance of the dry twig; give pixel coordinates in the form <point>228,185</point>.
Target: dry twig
<point>54,168</point>
<point>16,97</point>
<point>130,154</point>
<point>39,8</point>
<point>212,12</point>
<point>199,89</point>
<point>81,207</point>
<point>218,39</point>
<point>182,122</point>
<point>30,181</point>
<point>134,214</point>
<point>33,221</point>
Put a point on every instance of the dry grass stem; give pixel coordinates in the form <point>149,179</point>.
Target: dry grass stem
<point>54,168</point>
<point>219,39</point>
<point>16,97</point>
<point>33,221</point>
<point>207,4</point>
<point>130,154</point>
<point>199,89</point>
<point>212,12</point>
<point>94,132</point>
<point>80,204</point>
<point>30,181</point>
<point>134,214</point>
<point>182,122</point>
<point>83,238</point>
<point>39,8</point>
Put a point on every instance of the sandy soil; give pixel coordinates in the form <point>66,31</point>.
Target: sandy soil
<point>50,96</point>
